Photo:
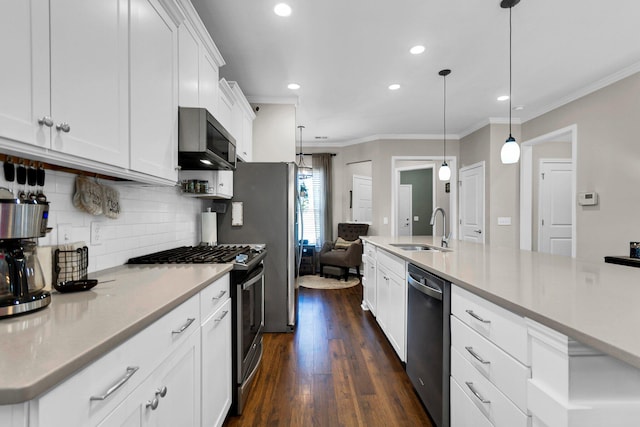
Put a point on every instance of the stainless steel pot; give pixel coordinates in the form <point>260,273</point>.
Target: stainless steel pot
<point>21,219</point>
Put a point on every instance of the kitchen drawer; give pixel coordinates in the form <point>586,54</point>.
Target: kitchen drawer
<point>504,328</point>
<point>370,250</point>
<point>213,296</point>
<point>391,263</point>
<point>505,372</point>
<point>463,411</point>
<point>130,363</point>
<point>497,408</point>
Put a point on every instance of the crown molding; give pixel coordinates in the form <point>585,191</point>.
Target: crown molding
<point>288,100</point>
<point>382,137</point>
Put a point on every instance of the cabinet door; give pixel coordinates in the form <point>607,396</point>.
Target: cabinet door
<point>247,138</point>
<point>382,297</point>
<point>154,95</point>
<point>180,405</point>
<point>24,76</point>
<point>208,82</point>
<point>370,287</point>
<point>216,366</point>
<point>89,79</point>
<point>223,184</point>
<point>397,314</point>
<point>189,53</point>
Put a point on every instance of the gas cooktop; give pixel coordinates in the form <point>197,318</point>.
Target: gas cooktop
<point>242,256</point>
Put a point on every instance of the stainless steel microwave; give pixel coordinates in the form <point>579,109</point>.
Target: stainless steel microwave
<point>203,143</point>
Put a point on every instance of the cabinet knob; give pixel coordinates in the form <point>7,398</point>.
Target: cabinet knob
<point>221,184</point>
<point>64,127</point>
<point>162,392</point>
<point>153,403</point>
<point>46,121</point>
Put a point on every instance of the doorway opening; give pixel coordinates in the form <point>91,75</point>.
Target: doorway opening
<point>561,144</point>
<point>442,195</point>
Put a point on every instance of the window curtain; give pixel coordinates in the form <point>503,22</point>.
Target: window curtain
<point>322,187</point>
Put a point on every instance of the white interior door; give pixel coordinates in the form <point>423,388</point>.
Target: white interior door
<point>362,199</point>
<point>472,203</point>
<point>555,202</point>
<point>405,208</point>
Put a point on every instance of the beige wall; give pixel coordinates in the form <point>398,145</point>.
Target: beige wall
<point>502,182</point>
<point>274,133</point>
<point>608,162</point>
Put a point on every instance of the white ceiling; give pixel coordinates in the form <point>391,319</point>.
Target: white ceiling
<point>345,53</point>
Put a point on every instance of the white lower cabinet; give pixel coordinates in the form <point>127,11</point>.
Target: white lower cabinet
<point>169,397</point>
<point>369,278</point>
<point>464,413</point>
<point>175,372</point>
<point>391,300</point>
<point>216,366</point>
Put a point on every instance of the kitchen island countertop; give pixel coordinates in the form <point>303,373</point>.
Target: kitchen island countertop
<point>41,349</point>
<point>595,303</point>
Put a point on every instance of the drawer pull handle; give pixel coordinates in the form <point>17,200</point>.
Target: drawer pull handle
<point>220,295</point>
<point>224,313</point>
<point>130,371</point>
<point>475,316</point>
<point>477,356</point>
<point>190,320</point>
<point>475,392</point>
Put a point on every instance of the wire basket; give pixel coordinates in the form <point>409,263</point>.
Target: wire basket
<point>71,265</point>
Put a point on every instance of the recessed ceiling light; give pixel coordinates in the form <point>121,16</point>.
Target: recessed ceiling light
<point>417,50</point>
<point>293,86</point>
<point>282,9</point>
<point>394,86</point>
<point>503,97</point>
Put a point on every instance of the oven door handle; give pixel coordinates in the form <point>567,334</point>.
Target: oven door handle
<point>246,285</point>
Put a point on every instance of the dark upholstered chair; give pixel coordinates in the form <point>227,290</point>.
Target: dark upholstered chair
<point>346,251</point>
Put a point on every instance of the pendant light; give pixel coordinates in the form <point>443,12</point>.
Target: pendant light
<point>510,152</point>
<point>304,171</point>
<point>445,171</point>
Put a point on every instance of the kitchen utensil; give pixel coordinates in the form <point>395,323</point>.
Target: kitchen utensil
<point>32,175</point>
<point>21,178</point>
<point>40,197</point>
<point>75,285</point>
<point>9,172</point>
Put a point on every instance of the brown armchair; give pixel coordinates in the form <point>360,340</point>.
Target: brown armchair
<point>346,251</point>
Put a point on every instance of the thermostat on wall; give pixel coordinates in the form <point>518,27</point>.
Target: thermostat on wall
<point>588,199</point>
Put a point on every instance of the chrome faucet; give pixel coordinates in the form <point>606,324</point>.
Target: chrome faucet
<point>445,236</point>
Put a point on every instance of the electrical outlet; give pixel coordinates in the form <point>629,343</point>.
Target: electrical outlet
<point>385,220</point>
<point>504,220</point>
<point>65,232</point>
<point>96,233</point>
<point>416,218</point>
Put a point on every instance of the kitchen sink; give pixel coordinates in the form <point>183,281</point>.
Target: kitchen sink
<point>415,247</point>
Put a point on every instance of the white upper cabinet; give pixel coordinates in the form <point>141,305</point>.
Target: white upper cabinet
<point>154,91</point>
<point>199,62</point>
<point>89,80</point>
<point>24,85</point>
<point>242,123</point>
<point>226,100</point>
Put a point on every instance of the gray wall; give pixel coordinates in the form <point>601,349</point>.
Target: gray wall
<point>608,162</point>
<point>421,181</point>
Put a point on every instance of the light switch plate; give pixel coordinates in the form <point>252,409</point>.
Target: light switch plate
<point>65,233</point>
<point>504,220</point>
<point>416,218</point>
<point>385,220</point>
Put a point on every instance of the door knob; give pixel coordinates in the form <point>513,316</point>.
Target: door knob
<point>477,231</point>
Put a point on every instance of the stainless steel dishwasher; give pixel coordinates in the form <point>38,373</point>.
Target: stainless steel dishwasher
<point>428,341</point>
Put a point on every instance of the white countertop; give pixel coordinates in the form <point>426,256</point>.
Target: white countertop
<point>595,303</point>
<point>41,349</point>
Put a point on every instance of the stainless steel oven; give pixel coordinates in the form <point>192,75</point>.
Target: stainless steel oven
<point>248,324</point>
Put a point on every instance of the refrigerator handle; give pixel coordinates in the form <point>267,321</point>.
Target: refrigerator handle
<point>300,238</point>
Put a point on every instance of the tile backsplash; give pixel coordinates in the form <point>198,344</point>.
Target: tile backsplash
<point>152,218</point>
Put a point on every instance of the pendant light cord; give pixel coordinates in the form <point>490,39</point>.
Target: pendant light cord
<point>510,73</point>
<point>444,119</point>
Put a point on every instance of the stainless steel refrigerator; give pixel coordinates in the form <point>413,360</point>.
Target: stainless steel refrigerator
<point>270,214</point>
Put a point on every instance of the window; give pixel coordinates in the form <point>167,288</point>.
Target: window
<point>307,188</point>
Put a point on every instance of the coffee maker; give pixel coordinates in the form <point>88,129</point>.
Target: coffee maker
<point>21,277</point>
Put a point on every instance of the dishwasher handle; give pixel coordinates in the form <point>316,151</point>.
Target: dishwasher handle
<point>425,288</point>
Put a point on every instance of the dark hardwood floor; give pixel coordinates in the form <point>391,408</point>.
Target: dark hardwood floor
<point>337,369</point>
